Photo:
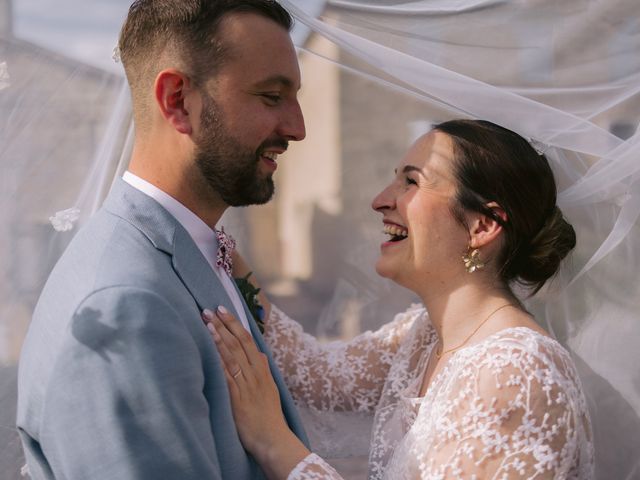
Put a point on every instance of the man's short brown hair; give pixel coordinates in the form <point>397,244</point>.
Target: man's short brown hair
<point>184,31</point>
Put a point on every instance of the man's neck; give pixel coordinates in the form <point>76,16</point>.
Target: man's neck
<point>166,167</point>
<point>192,194</point>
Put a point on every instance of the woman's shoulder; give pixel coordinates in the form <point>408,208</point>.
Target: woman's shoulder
<point>516,392</point>
<point>517,341</point>
<point>523,350</point>
<point>522,339</point>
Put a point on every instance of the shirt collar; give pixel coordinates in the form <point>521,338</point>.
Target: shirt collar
<point>202,235</point>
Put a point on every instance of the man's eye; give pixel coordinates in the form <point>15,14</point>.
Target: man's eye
<point>272,98</point>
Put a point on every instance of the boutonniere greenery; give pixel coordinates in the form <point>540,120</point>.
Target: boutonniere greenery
<point>250,295</point>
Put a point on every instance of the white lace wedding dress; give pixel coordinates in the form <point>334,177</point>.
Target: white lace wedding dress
<point>510,406</point>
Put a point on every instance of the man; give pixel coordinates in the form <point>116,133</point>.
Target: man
<point>118,377</point>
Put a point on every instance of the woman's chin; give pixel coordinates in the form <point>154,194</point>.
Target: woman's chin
<point>385,269</point>
<point>390,271</point>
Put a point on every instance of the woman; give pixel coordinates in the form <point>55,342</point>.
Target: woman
<point>474,388</point>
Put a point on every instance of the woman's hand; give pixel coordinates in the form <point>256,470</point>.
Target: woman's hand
<point>254,397</point>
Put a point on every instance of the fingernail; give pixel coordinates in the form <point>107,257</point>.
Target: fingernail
<point>222,310</point>
<point>207,314</point>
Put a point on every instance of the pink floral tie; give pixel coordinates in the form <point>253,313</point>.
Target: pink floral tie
<point>226,246</point>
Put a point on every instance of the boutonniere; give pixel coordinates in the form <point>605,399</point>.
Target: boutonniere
<point>250,295</point>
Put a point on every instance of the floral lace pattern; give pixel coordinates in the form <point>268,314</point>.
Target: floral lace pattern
<point>64,220</point>
<point>510,406</point>
<point>338,376</point>
<point>313,468</point>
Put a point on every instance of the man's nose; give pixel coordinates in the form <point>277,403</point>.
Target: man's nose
<point>292,127</point>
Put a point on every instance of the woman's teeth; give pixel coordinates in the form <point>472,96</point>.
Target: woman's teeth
<point>396,232</point>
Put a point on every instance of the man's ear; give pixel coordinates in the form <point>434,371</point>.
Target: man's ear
<point>171,89</point>
<point>485,229</point>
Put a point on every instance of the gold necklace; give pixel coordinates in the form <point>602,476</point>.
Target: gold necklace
<point>439,354</point>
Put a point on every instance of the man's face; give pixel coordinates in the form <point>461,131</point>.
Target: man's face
<point>251,112</point>
<point>230,167</point>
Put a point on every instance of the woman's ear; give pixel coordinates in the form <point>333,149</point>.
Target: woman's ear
<point>171,90</point>
<point>485,229</point>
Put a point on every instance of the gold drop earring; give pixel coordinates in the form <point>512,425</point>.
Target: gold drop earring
<point>472,260</point>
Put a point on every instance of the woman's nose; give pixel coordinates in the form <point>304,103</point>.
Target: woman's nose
<point>384,200</point>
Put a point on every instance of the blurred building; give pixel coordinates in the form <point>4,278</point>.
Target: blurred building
<point>69,103</point>
<point>315,245</point>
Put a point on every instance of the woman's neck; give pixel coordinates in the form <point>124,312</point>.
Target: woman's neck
<point>456,311</point>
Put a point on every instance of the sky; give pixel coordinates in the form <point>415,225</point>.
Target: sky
<point>86,30</point>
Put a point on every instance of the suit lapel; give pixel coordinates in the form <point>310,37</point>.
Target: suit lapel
<point>167,235</point>
<point>196,273</point>
<point>201,281</point>
<point>286,401</point>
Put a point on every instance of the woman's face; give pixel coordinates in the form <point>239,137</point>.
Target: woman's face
<point>426,242</point>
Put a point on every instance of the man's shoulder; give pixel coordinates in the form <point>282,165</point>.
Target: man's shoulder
<point>109,246</point>
<point>110,255</point>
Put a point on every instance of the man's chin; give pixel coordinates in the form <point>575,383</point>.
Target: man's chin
<point>252,199</point>
<point>265,194</point>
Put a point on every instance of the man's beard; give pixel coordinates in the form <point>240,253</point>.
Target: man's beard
<point>230,168</point>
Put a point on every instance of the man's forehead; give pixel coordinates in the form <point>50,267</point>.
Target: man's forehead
<point>277,80</point>
<point>261,49</point>
<point>240,29</point>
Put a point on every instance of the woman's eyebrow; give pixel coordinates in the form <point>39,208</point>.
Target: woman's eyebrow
<point>409,168</point>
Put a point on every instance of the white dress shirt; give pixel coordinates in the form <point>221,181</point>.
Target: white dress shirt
<point>203,236</point>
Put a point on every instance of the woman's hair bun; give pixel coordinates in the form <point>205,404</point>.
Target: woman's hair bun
<point>540,259</point>
<point>494,164</point>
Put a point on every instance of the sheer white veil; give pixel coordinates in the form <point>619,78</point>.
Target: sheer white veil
<point>564,74</point>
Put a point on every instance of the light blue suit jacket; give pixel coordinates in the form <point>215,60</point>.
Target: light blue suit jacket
<point>118,377</point>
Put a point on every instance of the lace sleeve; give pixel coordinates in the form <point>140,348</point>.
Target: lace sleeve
<point>313,468</point>
<point>508,411</point>
<point>337,376</point>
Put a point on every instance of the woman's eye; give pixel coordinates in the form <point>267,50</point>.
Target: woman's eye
<point>410,181</point>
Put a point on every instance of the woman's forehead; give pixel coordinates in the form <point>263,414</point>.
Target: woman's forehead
<point>431,152</point>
